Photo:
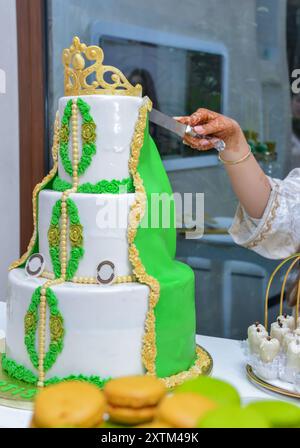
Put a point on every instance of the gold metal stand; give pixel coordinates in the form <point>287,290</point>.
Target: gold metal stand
<point>270,387</point>
<point>294,259</point>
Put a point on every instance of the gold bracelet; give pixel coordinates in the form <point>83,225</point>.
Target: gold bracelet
<point>235,162</point>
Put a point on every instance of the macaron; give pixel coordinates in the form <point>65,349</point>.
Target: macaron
<point>133,400</point>
<point>279,414</point>
<point>233,417</point>
<point>72,404</point>
<point>216,390</point>
<point>184,410</point>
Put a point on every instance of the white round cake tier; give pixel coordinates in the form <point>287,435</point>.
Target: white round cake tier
<point>104,218</point>
<point>115,118</point>
<point>104,326</point>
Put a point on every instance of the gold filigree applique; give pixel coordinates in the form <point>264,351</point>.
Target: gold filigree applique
<point>137,211</point>
<point>202,366</point>
<point>136,214</point>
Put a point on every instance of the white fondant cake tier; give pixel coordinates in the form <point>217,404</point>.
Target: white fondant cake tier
<point>104,326</point>
<point>115,118</point>
<point>104,218</point>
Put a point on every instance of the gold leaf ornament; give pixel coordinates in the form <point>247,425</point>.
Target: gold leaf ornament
<point>76,234</point>
<point>64,133</point>
<point>54,235</point>
<point>30,321</point>
<point>88,132</point>
<point>56,327</point>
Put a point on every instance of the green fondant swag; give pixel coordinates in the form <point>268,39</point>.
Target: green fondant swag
<point>175,322</point>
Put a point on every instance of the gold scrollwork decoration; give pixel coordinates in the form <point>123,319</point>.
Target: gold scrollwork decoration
<point>108,80</point>
<point>203,361</point>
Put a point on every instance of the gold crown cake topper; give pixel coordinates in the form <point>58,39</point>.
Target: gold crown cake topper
<point>76,73</point>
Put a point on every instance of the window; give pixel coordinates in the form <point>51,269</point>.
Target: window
<point>177,80</point>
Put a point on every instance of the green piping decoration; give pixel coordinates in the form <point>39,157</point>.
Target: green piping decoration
<point>75,236</point>
<point>30,324</point>
<point>54,239</point>
<point>88,136</point>
<point>21,373</point>
<point>18,371</point>
<point>56,329</point>
<point>101,187</point>
<point>93,379</point>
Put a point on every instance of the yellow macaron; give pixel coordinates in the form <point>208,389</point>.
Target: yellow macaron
<point>133,399</point>
<point>184,410</point>
<point>72,404</point>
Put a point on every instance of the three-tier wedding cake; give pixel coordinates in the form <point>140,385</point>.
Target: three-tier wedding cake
<point>110,299</point>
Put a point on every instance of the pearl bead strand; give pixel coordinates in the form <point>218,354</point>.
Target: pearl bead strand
<point>93,280</point>
<point>63,246</point>
<point>42,328</point>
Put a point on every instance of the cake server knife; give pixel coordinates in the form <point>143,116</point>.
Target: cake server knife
<point>180,129</point>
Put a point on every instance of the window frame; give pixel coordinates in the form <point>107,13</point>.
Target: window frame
<point>101,29</point>
<point>31,37</point>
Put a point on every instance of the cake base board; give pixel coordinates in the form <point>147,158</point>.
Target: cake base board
<point>271,387</point>
<point>14,397</point>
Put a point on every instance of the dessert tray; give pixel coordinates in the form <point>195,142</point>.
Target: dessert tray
<point>276,386</point>
<point>273,354</point>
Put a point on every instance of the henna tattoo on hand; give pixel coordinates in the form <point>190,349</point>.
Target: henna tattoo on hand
<point>211,124</point>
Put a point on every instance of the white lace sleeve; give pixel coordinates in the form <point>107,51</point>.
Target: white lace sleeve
<point>277,234</point>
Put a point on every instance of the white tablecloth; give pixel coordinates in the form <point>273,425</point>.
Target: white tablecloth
<point>229,365</point>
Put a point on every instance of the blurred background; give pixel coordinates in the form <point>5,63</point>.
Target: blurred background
<point>230,56</point>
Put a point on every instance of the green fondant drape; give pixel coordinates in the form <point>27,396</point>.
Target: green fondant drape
<point>175,310</point>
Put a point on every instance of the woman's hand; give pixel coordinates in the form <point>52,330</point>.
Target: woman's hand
<point>215,126</point>
<point>249,182</point>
